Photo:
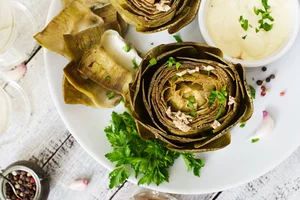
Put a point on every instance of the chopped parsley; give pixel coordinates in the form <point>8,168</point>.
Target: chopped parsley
<point>220,95</point>
<point>255,140</point>
<point>107,78</point>
<point>243,125</point>
<point>265,15</point>
<point>177,65</point>
<point>244,37</point>
<point>127,48</point>
<point>253,91</point>
<point>153,61</point>
<point>152,43</point>
<point>172,62</point>
<point>135,65</point>
<point>110,95</point>
<point>193,113</point>
<point>190,102</point>
<point>177,38</point>
<point>244,23</point>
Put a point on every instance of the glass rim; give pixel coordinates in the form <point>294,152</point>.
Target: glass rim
<point>4,138</point>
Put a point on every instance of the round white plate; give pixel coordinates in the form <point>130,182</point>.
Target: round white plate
<point>240,162</point>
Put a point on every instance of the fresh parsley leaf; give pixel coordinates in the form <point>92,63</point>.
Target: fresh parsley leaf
<point>178,64</point>
<point>107,78</point>
<point>192,113</point>
<point>118,176</point>
<point>256,30</point>
<point>190,104</point>
<point>127,48</point>
<point>245,24</point>
<point>244,37</point>
<point>220,95</point>
<point>241,18</point>
<point>253,91</point>
<point>255,140</point>
<point>192,163</point>
<point>135,65</point>
<point>110,95</point>
<point>148,159</point>
<point>153,62</point>
<point>266,26</point>
<point>265,4</point>
<point>177,38</point>
<point>192,99</point>
<point>243,125</point>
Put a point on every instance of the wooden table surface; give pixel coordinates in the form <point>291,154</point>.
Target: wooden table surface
<point>49,143</point>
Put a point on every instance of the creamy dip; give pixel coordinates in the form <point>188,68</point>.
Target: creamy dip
<point>225,27</point>
<point>5,111</point>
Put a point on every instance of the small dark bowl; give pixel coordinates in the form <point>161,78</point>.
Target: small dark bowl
<point>41,178</point>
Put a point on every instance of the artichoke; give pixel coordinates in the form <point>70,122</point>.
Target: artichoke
<point>188,96</point>
<point>156,15</point>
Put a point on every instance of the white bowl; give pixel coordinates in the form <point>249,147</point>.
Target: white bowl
<point>264,61</point>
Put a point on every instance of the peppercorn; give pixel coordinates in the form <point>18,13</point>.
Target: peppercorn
<point>32,180</point>
<point>272,76</point>
<point>264,69</point>
<point>263,93</point>
<point>259,82</point>
<point>268,80</point>
<point>263,88</point>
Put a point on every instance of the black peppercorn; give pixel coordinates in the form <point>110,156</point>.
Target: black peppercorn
<point>272,76</point>
<point>268,80</point>
<point>264,69</point>
<point>259,82</point>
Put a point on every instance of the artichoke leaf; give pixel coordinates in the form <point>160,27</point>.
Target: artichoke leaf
<point>94,91</point>
<point>74,96</point>
<point>74,18</point>
<point>90,3</point>
<point>218,144</point>
<point>98,65</point>
<point>76,44</point>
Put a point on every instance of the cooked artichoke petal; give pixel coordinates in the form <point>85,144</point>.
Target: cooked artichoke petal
<point>77,44</point>
<point>97,65</point>
<point>212,146</point>
<point>94,91</point>
<point>90,3</point>
<point>74,96</point>
<point>74,18</point>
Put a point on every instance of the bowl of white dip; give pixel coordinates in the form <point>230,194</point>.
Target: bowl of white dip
<point>253,33</point>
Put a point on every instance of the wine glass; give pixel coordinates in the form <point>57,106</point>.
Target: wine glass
<point>17,27</point>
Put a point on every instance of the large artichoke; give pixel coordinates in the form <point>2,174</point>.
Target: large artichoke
<point>156,15</point>
<point>188,96</point>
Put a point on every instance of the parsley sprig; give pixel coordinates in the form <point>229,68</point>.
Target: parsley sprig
<point>149,159</point>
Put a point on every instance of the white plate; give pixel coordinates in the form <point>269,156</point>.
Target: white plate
<point>239,163</point>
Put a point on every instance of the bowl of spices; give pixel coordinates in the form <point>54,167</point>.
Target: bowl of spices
<point>24,180</point>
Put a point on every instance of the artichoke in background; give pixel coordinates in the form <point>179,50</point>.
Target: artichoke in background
<point>156,15</point>
<point>188,96</point>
